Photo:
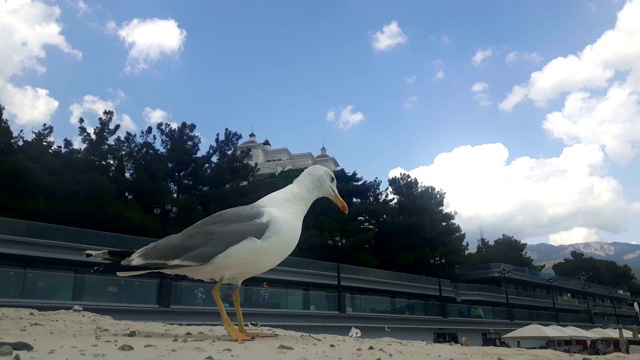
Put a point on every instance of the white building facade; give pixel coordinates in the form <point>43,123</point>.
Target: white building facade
<point>273,160</point>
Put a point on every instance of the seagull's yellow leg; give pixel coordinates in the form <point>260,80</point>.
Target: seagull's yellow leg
<point>236,304</point>
<point>226,322</point>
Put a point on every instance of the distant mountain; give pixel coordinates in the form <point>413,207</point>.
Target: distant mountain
<point>621,253</point>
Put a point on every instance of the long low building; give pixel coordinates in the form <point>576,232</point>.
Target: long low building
<point>43,266</point>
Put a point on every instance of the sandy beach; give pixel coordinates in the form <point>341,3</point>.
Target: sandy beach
<point>68,334</point>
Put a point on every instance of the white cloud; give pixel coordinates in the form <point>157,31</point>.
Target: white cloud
<point>410,103</point>
<point>156,116</point>
<point>331,114</point>
<point>479,89</point>
<point>149,40</point>
<point>390,36</point>
<point>611,121</point>
<point>439,75</point>
<point>30,107</point>
<point>480,56</point>
<point>81,6</point>
<point>29,28</point>
<point>617,50</point>
<point>527,197</point>
<point>517,94</point>
<point>410,79</point>
<point>347,119</point>
<point>127,123</point>
<point>576,235</point>
<point>445,40</point>
<point>91,107</point>
<point>479,86</point>
<point>515,56</point>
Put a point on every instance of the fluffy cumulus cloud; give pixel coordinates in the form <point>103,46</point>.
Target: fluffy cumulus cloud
<point>611,121</point>
<point>91,107</point>
<point>29,106</point>
<point>528,197</point>
<point>345,118</point>
<point>616,51</point>
<point>390,37</point>
<point>156,116</point>
<point>582,234</point>
<point>149,40</point>
<point>480,56</point>
<point>30,29</point>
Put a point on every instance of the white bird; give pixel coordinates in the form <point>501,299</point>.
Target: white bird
<point>233,245</point>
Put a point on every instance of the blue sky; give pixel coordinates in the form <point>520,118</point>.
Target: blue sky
<point>525,112</point>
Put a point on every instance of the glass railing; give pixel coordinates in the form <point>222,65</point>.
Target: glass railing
<point>529,294</point>
<point>574,318</point>
<point>568,300</point>
<point>40,231</point>
<point>390,275</point>
<point>534,316</point>
<point>323,301</point>
<point>479,288</point>
<point>477,312</point>
<point>370,304</point>
<point>64,286</point>
<point>20,284</point>
<point>629,321</point>
<point>539,274</point>
<point>306,264</point>
<point>199,295</point>
<point>34,230</point>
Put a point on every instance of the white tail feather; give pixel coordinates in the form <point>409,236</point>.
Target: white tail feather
<point>98,254</point>
<point>132,273</point>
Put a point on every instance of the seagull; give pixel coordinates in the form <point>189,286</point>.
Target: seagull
<point>233,245</point>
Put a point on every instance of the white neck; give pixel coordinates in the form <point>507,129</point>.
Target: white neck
<point>298,195</point>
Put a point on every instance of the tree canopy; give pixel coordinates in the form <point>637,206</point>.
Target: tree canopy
<point>506,250</point>
<point>597,271</point>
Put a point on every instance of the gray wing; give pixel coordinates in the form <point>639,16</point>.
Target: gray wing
<point>206,239</point>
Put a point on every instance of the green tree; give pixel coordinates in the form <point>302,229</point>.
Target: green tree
<point>603,272</point>
<point>7,141</point>
<point>506,250</point>
<point>323,222</point>
<point>415,228</point>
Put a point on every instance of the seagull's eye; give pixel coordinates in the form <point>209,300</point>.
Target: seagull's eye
<point>332,179</point>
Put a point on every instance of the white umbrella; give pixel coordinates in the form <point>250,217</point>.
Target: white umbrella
<point>569,334</point>
<point>626,333</point>
<point>535,331</point>
<point>582,334</point>
<point>604,333</point>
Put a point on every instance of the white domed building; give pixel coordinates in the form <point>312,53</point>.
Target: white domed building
<point>273,160</point>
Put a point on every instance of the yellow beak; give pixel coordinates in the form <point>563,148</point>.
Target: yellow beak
<point>340,202</point>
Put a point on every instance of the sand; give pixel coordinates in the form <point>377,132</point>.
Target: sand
<point>68,334</point>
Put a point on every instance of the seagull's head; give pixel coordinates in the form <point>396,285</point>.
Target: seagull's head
<point>324,182</point>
